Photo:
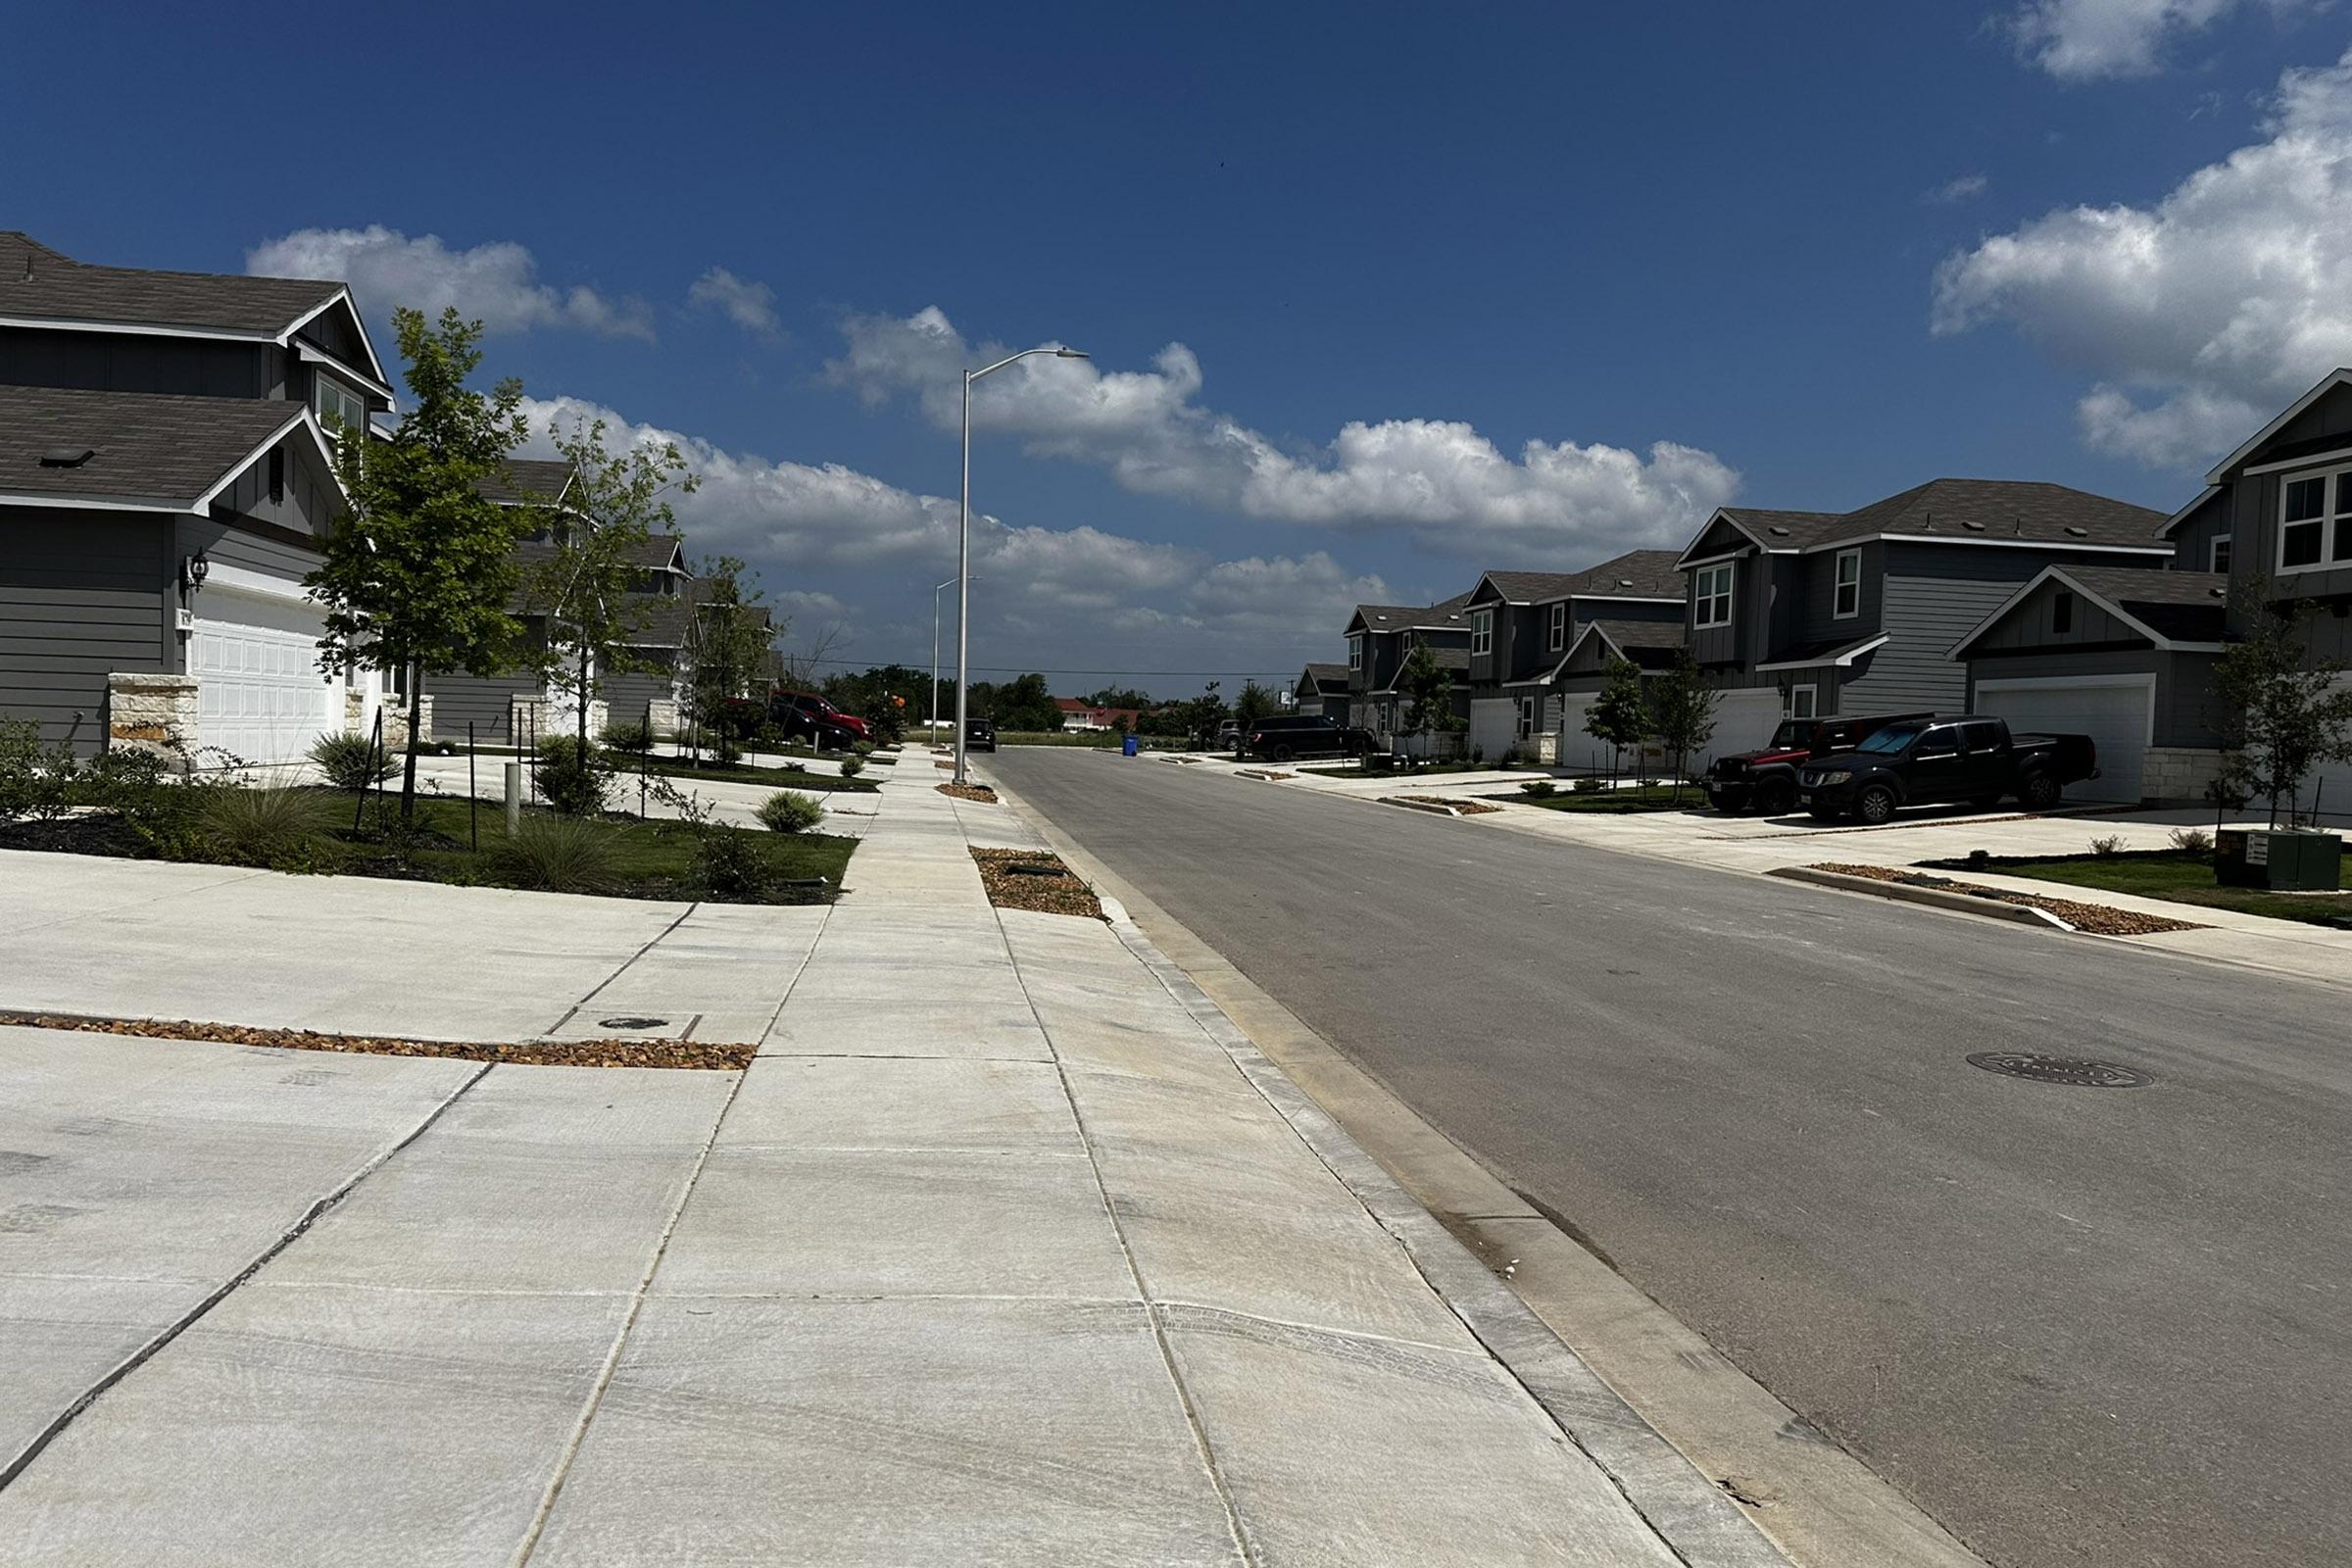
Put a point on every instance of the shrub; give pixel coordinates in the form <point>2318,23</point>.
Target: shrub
<point>2104,848</point>
<point>1585,786</point>
<point>572,779</point>
<point>352,762</point>
<point>790,811</point>
<point>636,739</point>
<point>257,825</point>
<point>555,854</point>
<point>863,748</point>
<point>852,766</point>
<point>1540,789</point>
<point>729,863</point>
<point>36,781</point>
<point>2192,841</point>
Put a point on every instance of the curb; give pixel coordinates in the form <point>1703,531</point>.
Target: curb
<point>1431,806</point>
<point>1933,898</point>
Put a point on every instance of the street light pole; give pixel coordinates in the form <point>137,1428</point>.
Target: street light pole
<point>963,549</point>
<point>949,583</point>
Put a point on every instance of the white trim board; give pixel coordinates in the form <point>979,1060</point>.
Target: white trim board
<point>1841,662</point>
<point>2253,443</point>
<point>260,584</point>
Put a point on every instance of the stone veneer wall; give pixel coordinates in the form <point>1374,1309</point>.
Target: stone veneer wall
<point>396,717</point>
<point>2177,775</point>
<point>662,715</point>
<point>151,712</point>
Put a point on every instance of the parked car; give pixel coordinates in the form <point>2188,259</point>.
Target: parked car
<point>1765,780</point>
<point>1279,740</point>
<point>1229,736</point>
<point>804,715</point>
<point>1929,762</point>
<point>979,734</point>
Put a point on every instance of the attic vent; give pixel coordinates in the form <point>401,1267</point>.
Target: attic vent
<point>67,457</point>
<point>2077,534</point>
<point>1625,582</point>
<point>1973,527</point>
<point>1777,532</point>
<point>2216,593</point>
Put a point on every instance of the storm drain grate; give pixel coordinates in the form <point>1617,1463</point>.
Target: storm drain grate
<point>2075,1071</point>
<point>631,1023</point>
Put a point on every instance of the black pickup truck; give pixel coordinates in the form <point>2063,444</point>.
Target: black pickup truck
<point>1765,780</point>
<point>1942,761</point>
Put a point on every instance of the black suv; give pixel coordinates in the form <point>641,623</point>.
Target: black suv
<point>1279,740</point>
<point>979,734</point>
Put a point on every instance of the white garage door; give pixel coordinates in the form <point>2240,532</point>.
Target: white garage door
<point>2115,710</point>
<point>1745,720</point>
<point>1579,750</point>
<point>1493,727</point>
<point>2333,783</point>
<point>258,693</point>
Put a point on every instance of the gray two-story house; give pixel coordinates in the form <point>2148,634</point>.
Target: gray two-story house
<point>166,478</point>
<point>1380,638</point>
<point>2131,662</point>
<point>1797,614</point>
<point>1523,625</point>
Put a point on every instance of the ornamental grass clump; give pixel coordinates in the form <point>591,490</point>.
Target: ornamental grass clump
<point>790,811</point>
<point>555,854</point>
<point>352,762</point>
<point>259,825</point>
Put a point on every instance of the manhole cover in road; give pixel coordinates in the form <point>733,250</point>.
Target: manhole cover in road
<point>631,1023</point>
<point>2075,1071</point>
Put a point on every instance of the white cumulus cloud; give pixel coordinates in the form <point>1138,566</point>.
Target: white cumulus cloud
<point>497,283</point>
<point>1442,482</point>
<point>1965,188</point>
<point>2202,314</point>
<point>750,304</point>
<point>2081,40</point>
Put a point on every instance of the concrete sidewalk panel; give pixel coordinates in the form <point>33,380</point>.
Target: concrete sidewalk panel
<point>540,1179</point>
<point>895,1222</point>
<point>995,1024</point>
<point>321,1426</point>
<point>1223,1206</point>
<point>933,1104</point>
<point>881,1434</point>
<point>1345,1451</point>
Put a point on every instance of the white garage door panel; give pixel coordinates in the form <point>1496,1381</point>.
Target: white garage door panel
<point>258,693</point>
<point>1745,720</point>
<point>1493,726</point>
<point>1578,749</point>
<point>2330,785</point>
<point>2114,714</point>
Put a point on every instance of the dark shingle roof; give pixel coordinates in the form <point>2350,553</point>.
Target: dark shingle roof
<point>2182,606</point>
<point>655,549</point>
<point>1650,644</point>
<point>1327,677</point>
<point>529,479</point>
<point>667,617</point>
<point>1965,510</point>
<point>1635,574</point>
<point>1443,616</point>
<point>145,445</point>
<point>36,281</point>
<point>1785,530</point>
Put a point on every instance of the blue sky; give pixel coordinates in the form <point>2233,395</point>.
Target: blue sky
<point>1339,266</point>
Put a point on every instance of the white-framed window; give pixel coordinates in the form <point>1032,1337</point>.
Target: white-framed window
<point>1356,652</point>
<point>1529,708</point>
<point>2217,554</point>
<point>334,403</point>
<point>1848,596</point>
<point>1711,596</point>
<point>1556,636</point>
<point>2315,521</point>
<point>1804,702</point>
<point>1482,633</point>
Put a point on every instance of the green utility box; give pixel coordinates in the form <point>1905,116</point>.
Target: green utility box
<point>2283,859</point>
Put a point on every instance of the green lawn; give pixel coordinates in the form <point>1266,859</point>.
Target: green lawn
<point>1653,798</point>
<point>2180,878</point>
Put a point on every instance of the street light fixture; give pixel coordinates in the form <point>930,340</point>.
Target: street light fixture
<point>964,545</point>
<point>949,583</point>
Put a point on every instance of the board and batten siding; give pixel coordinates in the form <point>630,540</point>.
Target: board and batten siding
<point>1817,597</point>
<point>104,361</point>
<point>82,594</point>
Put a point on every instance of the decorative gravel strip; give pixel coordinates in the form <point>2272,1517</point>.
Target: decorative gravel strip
<point>1031,879</point>
<point>696,1054</point>
<point>950,766</point>
<point>1460,807</point>
<point>2100,919</point>
<point>969,792</point>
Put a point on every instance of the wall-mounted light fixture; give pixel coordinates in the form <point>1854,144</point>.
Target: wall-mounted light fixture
<point>192,571</point>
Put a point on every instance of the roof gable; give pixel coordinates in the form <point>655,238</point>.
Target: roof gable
<point>2177,611</point>
<point>147,451</point>
<point>2258,444</point>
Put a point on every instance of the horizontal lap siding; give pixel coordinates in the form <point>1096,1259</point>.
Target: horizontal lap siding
<point>81,596</point>
<point>1934,596</point>
<point>626,695</point>
<point>486,701</point>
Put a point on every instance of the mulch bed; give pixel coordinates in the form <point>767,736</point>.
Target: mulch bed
<point>1031,879</point>
<point>969,792</point>
<point>1466,807</point>
<point>699,1055</point>
<point>2100,919</point>
<point>950,766</point>
<point>1252,772</point>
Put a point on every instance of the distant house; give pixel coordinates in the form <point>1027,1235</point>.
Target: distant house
<point>1321,692</point>
<point>1573,684</point>
<point>1792,614</point>
<point>166,478</point>
<point>1079,715</point>
<point>1380,637</point>
<point>1523,625</point>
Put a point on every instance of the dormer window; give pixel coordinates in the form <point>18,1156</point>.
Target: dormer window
<point>1356,650</point>
<point>1711,596</point>
<point>1847,593</point>
<point>1482,633</point>
<point>336,403</point>
<point>1556,634</point>
<point>2315,521</point>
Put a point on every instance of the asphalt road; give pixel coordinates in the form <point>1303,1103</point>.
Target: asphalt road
<point>2077,1326</point>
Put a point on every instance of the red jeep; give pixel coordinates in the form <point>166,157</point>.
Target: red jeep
<point>1766,780</point>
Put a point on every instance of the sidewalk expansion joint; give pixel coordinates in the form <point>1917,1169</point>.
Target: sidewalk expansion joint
<point>309,1216</point>
<point>626,964</point>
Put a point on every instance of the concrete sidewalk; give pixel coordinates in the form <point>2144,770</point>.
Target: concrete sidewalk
<point>1007,1248</point>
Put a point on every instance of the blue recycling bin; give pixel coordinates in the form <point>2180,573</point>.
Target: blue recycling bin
<point>1130,746</point>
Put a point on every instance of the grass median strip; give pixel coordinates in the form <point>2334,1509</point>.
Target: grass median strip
<point>706,1055</point>
<point>2099,919</point>
<point>1034,880</point>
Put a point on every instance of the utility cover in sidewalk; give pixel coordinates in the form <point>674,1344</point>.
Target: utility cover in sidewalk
<point>2073,1072</point>
<point>632,1023</point>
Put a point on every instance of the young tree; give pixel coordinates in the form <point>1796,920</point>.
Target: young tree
<point>1620,716</point>
<point>734,636</point>
<point>420,570</point>
<point>1203,715</point>
<point>1252,704</point>
<point>1683,713</point>
<point>584,589</point>
<point>1430,685</point>
<point>2287,710</point>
